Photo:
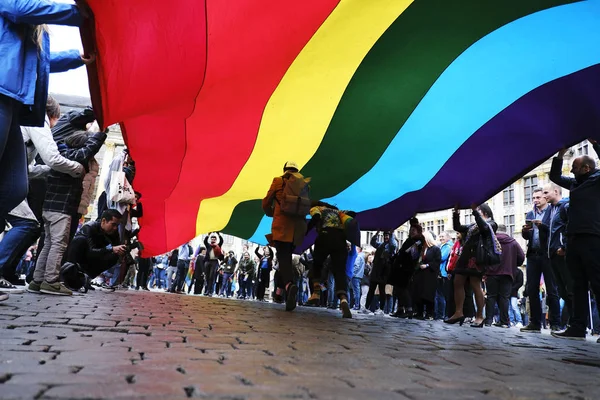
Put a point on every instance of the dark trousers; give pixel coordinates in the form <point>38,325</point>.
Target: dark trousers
<point>211,267</point>
<point>498,292</point>
<point>79,252</point>
<point>286,269</point>
<point>564,281</point>
<point>246,288</point>
<point>13,158</point>
<point>264,276</point>
<point>536,266</point>
<point>142,275</point>
<point>332,243</point>
<point>371,294</point>
<point>583,261</point>
<point>197,283</point>
<point>182,268</point>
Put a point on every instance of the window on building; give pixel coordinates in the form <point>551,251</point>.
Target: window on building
<point>529,184</point>
<point>509,195</point>
<point>469,219</point>
<point>430,226</point>
<point>228,239</point>
<point>582,149</point>
<point>509,221</point>
<point>440,226</point>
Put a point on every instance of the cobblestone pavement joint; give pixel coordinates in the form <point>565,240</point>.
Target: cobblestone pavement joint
<point>159,346</point>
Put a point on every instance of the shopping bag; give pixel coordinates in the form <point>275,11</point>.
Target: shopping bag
<point>120,189</point>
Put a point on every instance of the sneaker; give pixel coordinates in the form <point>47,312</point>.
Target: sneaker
<point>291,297</point>
<point>34,287</point>
<point>518,325</point>
<point>365,311</point>
<point>4,296</point>
<point>556,328</point>
<point>378,312</point>
<point>7,287</point>
<point>107,288</point>
<point>499,325</point>
<point>569,333</point>
<point>56,288</point>
<point>531,329</point>
<point>346,313</point>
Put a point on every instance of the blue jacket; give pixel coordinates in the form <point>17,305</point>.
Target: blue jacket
<point>446,248</point>
<point>584,207</point>
<point>24,69</point>
<point>558,227</point>
<point>359,266</point>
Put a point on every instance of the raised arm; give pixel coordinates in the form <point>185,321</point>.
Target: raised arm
<point>458,227</point>
<point>556,175</point>
<point>92,146</point>
<point>220,239</point>
<point>481,224</point>
<point>37,12</point>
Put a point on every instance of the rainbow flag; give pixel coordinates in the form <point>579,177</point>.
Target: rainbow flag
<point>391,106</point>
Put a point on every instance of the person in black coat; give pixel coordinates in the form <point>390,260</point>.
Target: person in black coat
<point>425,278</point>
<point>404,265</point>
<point>380,273</point>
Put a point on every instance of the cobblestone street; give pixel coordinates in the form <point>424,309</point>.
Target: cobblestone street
<point>131,344</point>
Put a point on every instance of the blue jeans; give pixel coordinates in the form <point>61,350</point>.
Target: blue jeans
<point>13,159</point>
<point>331,297</point>
<point>226,286</point>
<point>158,277</point>
<point>23,234</point>
<point>441,293</point>
<point>355,289</point>
<point>514,311</point>
<point>115,271</point>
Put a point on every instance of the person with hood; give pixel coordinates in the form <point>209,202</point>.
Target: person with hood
<point>330,242</point>
<point>499,278</point>
<point>288,228</point>
<point>382,261</point>
<point>583,235</point>
<point>25,219</point>
<point>557,244</point>
<point>404,265</point>
<point>229,269</point>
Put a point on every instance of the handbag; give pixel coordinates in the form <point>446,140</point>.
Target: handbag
<point>120,190</point>
<point>485,255</point>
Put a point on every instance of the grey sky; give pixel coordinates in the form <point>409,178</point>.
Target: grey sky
<point>72,82</point>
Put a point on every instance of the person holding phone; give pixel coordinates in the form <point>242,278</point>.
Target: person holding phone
<point>536,231</point>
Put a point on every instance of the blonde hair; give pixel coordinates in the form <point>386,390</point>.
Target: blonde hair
<point>38,34</point>
<point>429,240</point>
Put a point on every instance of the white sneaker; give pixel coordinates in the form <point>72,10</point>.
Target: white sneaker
<point>365,311</point>
<point>518,325</point>
<point>4,296</point>
<point>7,287</point>
<point>378,312</point>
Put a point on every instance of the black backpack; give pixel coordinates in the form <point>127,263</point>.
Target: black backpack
<point>74,278</point>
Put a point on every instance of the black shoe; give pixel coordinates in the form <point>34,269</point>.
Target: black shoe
<point>500,325</point>
<point>569,333</point>
<point>290,297</point>
<point>452,321</point>
<point>530,328</point>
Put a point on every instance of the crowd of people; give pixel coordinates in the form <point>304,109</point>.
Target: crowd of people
<point>48,175</point>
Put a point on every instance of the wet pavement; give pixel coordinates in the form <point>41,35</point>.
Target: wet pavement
<point>152,345</point>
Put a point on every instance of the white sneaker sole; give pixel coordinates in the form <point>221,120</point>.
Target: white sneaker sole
<point>55,293</point>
